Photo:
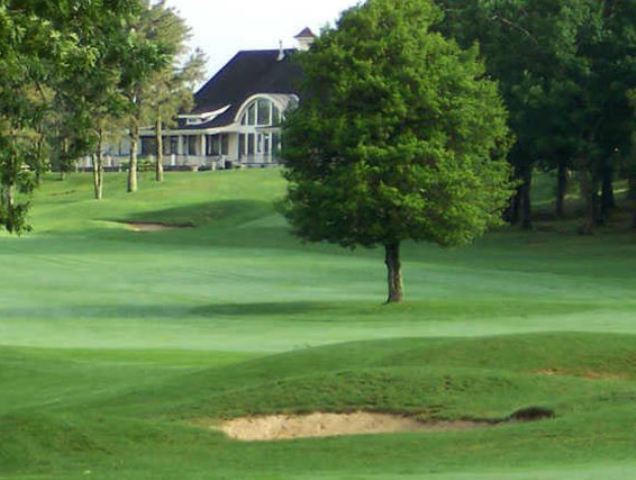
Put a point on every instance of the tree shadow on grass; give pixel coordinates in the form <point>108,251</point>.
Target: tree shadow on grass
<point>244,311</point>
<point>223,213</point>
<point>114,312</point>
<point>327,309</point>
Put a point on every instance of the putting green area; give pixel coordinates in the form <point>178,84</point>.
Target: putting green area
<point>131,328</point>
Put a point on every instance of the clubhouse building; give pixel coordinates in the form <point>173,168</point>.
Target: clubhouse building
<point>236,118</point>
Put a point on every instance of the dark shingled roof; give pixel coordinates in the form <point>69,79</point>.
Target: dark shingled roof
<point>247,74</point>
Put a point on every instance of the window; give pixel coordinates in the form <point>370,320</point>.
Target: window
<point>192,145</point>
<point>241,145</point>
<point>250,144</point>
<point>168,147</point>
<point>225,144</point>
<point>259,137</point>
<point>148,146</point>
<point>251,114</point>
<point>275,115</point>
<point>275,144</point>
<point>213,147</point>
<point>262,113</point>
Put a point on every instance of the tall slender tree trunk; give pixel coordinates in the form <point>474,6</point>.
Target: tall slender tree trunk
<point>132,167</point>
<point>589,196</point>
<point>40,149</point>
<point>8,202</point>
<point>526,200</point>
<point>159,142</point>
<point>562,188</point>
<point>632,193</point>
<point>8,196</point>
<point>394,269</point>
<point>98,167</point>
<point>61,158</point>
<point>511,215</point>
<point>608,199</point>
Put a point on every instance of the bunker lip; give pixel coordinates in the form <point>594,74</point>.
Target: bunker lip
<point>142,226</point>
<point>270,428</point>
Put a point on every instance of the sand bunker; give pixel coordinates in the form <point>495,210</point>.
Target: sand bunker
<point>155,227</point>
<point>285,427</point>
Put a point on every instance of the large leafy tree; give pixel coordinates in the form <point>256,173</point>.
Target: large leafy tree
<point>39,44</point>
<point>52,60</point>
<point>156,86</point>
<point>170,89</point>
<point>399,136</point>
<point>25,41</point>
<point>530,47</point>
<point>89,98</point>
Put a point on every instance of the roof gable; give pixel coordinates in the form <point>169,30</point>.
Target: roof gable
<point>306,33</point>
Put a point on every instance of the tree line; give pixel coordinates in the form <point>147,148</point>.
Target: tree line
<point>567,73</point>
<point>74,75</point>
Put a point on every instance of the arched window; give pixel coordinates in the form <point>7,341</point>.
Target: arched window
<point>261,113</point>
<point>259,135</point>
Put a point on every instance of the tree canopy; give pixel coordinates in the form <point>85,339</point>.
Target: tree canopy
<point>63,67</point>
<point>564,67</point>
<point>399,136</point>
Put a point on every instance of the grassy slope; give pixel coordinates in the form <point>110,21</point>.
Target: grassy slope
<point>112,338</point>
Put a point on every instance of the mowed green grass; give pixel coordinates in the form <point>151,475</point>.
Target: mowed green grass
<point>113,341</point>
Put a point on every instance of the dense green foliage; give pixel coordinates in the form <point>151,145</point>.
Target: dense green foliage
<point>565,68</point>
<point>29,46</point>
<point>398,136</point>
<point>69,71</point>
<point>236,316</point>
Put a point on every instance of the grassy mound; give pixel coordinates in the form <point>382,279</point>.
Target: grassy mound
<point>588,380</point>
<point>440,379</point>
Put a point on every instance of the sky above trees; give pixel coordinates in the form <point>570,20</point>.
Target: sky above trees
<point>223,28</point>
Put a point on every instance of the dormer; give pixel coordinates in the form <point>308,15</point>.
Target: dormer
<point>305,39</point>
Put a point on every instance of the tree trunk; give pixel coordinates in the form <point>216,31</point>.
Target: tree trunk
<point>526,201</point>
<point>8,201</point>
<point>98,167</point>
<point>39,166</point>
<point>394,267</point>
<point>61,158</point>
<point>8,198</point>
<point>562,188</point>
<point>632,194</point>
<point>608,200</point>
<point>159,137</point>
<point>511,215</point>
<point>132,167</point>
<point>589,197</point>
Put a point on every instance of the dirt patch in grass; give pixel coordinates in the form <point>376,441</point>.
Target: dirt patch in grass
<point>156,226</point>
<point>286,427</point>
